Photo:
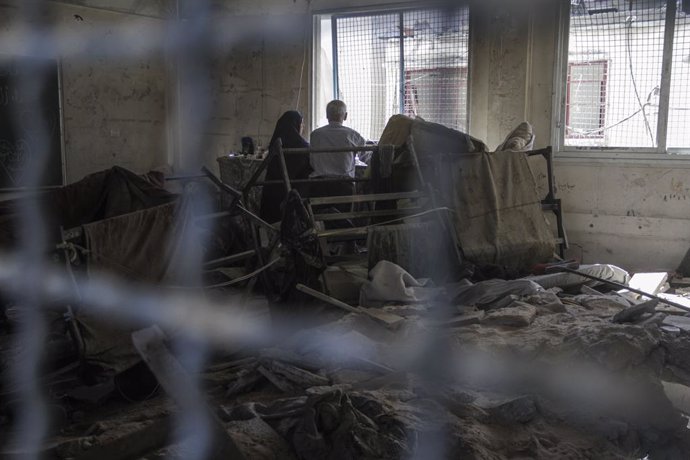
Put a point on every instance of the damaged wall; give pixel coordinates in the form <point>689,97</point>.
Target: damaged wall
<point>634,215</point>
<point>114,109</point>
<point>631,214</point>
<point>263,72</point>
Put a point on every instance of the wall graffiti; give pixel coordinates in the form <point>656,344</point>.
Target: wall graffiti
<point>29,120</point>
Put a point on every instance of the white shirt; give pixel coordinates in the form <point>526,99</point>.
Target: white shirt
<point>334,134</point>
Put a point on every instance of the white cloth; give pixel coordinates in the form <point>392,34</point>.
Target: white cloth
<point>334,134</point>
<point>391,283</point>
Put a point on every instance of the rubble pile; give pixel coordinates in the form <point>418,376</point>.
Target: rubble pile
<point>497,370</point>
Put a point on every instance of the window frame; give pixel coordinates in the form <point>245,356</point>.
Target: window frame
<point>392,8</point>
<point>560,85</point>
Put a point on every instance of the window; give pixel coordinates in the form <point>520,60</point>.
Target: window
<point>627,83</point>
<point>383,63</point>
<point>586,100</point>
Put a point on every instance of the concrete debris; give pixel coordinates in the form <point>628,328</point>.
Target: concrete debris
<point>652,283</point>
<point>519,314</point>
<point>516,410</point>
<point>630,314</point>
<point>496,369</point>
<point>670,329</point>
<point>566,280</point>
<point>681,322</point>
<point>466,320</point>
<point>486,293</point>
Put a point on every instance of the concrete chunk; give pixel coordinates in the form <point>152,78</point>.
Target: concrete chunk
<point>519,315</point>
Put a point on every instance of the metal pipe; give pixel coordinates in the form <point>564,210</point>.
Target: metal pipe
<point>619,285</point>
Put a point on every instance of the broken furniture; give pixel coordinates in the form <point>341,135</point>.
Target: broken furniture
<point>550,202</point>
<point>236,171</point>
<point>499,215</point>
<point>353,217</point>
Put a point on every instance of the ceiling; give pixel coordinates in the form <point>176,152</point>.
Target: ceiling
<point>158,8</point>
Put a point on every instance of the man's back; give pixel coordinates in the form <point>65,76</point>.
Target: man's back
<point>334,134</point>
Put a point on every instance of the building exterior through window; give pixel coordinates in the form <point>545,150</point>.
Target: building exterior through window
<point>384,63</point>
<point>627,83</point>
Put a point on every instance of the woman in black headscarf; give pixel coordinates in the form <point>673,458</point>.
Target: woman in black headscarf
<point>289,130</point>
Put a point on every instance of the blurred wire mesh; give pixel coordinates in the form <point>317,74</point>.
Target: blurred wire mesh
<point>200,322</point>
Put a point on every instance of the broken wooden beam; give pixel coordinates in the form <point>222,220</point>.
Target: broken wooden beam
<point>150,343</point>
<point>389,320</point>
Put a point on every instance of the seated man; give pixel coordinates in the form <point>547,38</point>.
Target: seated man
<point>334,165</point>
<point>334,134</point>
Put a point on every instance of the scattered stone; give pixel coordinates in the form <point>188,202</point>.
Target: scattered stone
<point>256,439</point>
<point>518,410</point>
<point>465,320</point>
<point>543,298</point>
<point>294,374</point>
<point>520,314</point>
<point>244,380</point>
<point>602,302</point>
<point>406,310</point>
<point>556,307</point>
<point>630,314</point>
<point>584,289</point>
<point>670,329</point>
<point>655,319</point>
<point>279,382</point>
<point>681,322</point>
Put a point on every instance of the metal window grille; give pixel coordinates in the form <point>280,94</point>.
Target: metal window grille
<point>413,62</point>
<point>679,101</point>
<point>586,99</point>
<point>644,103</point>
<point>629,36</point>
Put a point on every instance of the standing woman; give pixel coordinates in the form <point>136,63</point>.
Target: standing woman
<point>289,130</point>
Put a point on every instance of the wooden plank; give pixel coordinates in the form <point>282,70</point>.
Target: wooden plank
<point>344,233</point>
<point>177,383</point>
<point>389,320</point>
<point>229,259</point>
<point>363,214</point>
<point>365,198</point>
<point>326,298</point>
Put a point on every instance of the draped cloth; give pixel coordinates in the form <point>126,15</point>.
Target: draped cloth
<point>298,167</point>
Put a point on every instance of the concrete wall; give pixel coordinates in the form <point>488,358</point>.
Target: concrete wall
<point>261,72</point>
<point>114,106</point>
<point>625,213</point>
<point>629,212</point>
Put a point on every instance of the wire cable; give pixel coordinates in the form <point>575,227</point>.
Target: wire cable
<point>628,47</point>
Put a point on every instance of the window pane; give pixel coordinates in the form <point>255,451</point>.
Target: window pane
<point>614,104</point>
<point>679,101</point>
<point>586,98</point>
<point>434,49</point>
<point>368,70</point>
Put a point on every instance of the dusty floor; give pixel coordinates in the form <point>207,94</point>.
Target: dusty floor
<point>548,375</point>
